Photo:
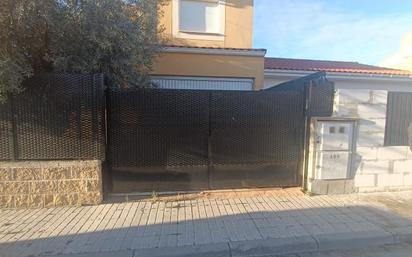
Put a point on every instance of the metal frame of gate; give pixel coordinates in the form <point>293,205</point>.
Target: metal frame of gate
<point>172,140</point>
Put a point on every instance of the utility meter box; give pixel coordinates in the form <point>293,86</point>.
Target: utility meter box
<point>334,148</point>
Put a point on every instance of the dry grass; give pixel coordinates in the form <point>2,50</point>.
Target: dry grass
<point>228,194</point>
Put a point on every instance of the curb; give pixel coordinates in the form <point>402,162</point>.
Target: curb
<point>208,250</point>
<point>273,246</point>
<point>353,240</point>
<point>305,244</point>
<point>278,246</point>
<point>402,234</point>
<point>126,253</point>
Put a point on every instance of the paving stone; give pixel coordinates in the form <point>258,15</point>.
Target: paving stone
<point>270,246</point>
<point>353,240</point>
<point>104,254</point>
<point>401,234</point>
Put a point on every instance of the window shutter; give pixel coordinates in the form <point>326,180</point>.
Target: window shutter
<point>199,16</point>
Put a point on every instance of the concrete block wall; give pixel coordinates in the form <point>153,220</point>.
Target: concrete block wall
<point>377,167</point>
<point>50,183</point>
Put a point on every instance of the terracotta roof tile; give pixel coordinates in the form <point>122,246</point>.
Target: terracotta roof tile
<point>330,66</point>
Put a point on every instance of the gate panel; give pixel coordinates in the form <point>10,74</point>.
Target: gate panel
<point>256,138</point>
<point>159,140</point>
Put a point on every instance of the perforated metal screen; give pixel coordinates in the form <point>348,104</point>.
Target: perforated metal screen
<point>321,97</point>
<point>158,128</point>
<point>56,117</point>
<point>255,127</point>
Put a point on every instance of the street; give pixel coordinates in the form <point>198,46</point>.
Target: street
<point>402,250</point>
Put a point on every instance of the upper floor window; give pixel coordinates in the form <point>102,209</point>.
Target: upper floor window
<point>199,16</point>
<point>199,19</point>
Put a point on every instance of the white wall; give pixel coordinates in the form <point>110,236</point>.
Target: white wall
<point>272,81</point>
<point>377,167</point>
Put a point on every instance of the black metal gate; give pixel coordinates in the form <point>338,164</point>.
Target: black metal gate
<point>170,140</point>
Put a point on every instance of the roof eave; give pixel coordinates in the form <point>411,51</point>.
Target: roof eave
<point>338,75</point>
<point>215,51</point>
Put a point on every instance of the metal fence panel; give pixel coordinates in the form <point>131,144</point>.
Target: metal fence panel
<point>321,95</point>
<point>319,91</point>
<point>58,117</point>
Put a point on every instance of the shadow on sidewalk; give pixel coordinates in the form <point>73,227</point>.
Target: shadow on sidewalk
<point>145,225</point>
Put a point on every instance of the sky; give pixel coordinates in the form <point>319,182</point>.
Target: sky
<point>366,31</point>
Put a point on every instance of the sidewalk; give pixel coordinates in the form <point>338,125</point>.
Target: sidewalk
<point>244,225</point>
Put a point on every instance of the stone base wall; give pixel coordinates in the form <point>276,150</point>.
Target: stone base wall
<point>376,167</point>
<point>50,183</point>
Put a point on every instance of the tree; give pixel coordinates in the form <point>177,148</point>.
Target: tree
<point>116,37</point>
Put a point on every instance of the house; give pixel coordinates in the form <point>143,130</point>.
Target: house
<point>209,46</point>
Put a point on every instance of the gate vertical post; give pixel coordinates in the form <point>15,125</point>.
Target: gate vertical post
<point>209,143</point>
<point>108,182</point>
<point>306,143</point>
